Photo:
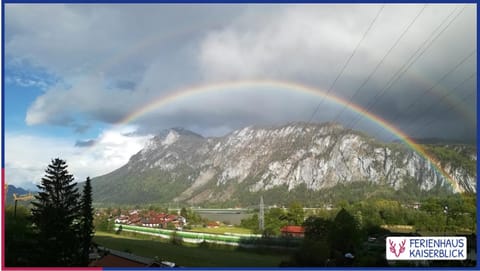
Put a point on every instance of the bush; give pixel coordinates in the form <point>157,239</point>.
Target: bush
<point>175,238</point>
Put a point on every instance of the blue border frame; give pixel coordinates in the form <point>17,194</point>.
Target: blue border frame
<point>234,2</point>
<point>478,151</point>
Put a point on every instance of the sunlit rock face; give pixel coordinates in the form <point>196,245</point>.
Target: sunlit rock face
<point>253,159</point>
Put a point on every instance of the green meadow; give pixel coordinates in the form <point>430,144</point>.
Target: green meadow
<point>187,255</point>
<point>223,230</point>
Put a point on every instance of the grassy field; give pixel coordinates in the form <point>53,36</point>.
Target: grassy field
<point>223,230</point>
<point>188,256</point>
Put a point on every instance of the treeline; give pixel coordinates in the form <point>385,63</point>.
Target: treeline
<point>355,191</point>
<point>333,238</point>
<point>58,230</point>
<point>339,236</point>
<point>275,219</point>
<point>455,213</point>
<point>354,234</point>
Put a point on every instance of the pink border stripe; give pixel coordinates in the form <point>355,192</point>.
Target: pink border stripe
<point>55,268</point>
<point>4,201</point>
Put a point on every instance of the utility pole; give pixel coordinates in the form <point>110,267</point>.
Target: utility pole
<point>261,216</point>
<point>26,197</point>
<point>445,210</point>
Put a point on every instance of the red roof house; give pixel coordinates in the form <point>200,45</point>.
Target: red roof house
<point>293,231</point>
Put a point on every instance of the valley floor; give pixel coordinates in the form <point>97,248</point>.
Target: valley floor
<point>187,255</point>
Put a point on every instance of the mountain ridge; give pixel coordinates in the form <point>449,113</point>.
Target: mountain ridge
<point>179,166</point>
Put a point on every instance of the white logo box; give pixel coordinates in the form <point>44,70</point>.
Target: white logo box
<point>426,248</point>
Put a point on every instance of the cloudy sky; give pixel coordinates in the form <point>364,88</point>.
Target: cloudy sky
<point>75,73</point>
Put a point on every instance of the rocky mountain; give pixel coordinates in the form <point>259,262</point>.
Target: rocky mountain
<point>297,161</point>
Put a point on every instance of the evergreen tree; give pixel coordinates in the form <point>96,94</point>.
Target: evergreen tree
<point>86,220</point>
<point>55,215</point>
<point>344,233</point>
<point>315,249</point>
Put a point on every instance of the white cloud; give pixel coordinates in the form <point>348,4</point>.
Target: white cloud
<point>95,48</point>
<point>90,97</point>
<point>27,156</point>
<point>295,40</point>
<point>312,42</point>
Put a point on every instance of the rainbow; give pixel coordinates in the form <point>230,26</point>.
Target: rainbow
<point>440,91</point>
<point>290,86</point>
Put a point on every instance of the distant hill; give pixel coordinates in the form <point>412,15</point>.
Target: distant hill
<point>16,190</point>
<point>311,163</point>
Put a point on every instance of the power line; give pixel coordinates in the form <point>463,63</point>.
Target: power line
<point>407,65</point>
<point>464,98</point>
<point>413,58</point>
<point>419,97</point>
<point>435,85</point>
<point>347,62</point>
<point>382,60</point>
<point>450,108</point>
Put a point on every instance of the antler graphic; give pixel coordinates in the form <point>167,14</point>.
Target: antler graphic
<point>401,247</point>
<point>392,247</point>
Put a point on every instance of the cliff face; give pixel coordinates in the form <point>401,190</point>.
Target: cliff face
<point>182,166</point>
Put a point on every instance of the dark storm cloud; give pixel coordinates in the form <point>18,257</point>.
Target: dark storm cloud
<point>165,48</point>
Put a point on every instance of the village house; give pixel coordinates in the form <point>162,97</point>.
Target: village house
<point>293,231</point>
<point>134,219</point>
<point>152,220</point>
<point>122,219</point>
